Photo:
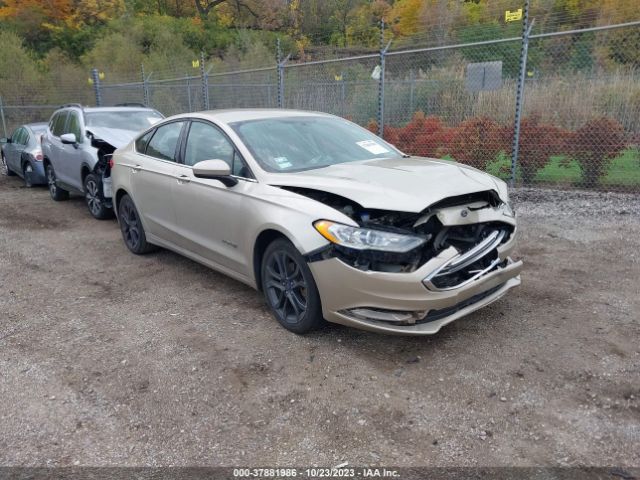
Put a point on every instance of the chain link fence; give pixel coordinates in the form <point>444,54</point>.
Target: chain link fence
<point>548,108</point>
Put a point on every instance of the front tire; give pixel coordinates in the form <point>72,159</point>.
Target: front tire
<point>289,288</point>
<point>58,194</point>
<point>131,227</point>
<point>94,198</point>
<point>4,168</point>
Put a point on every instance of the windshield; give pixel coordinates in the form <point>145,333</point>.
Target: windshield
<point>134,120</point>
<point>292,144</point>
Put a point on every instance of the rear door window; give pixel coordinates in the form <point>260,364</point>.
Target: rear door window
<point>141,143</point>
<point>164,142</point>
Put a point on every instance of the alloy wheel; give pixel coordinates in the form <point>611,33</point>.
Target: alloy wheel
<point>28,169</point>
<point>51,181</point>
<point>129,223</point>
<point>92,195</point>
<point>286,287</point>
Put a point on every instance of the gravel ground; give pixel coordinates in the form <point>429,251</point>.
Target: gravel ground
<point>107,358</point>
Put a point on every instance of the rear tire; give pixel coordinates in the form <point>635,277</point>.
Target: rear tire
<point>289,288</point>
<point>94,198</point>
<point>131,227</point>
<point>58,194</point>
<point>28,168</point>
<point>5,168</point>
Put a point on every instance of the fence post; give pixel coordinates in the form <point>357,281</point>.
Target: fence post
<point>96,86</point>
<point>526,31</point>
<point>412,88</point>
<point>4,124</point>
<point>205,83</point>
<point>189,91</point>
<point>383,54</point>
<point>343,94</point>
<point>145,87</point>
<point>280,67</point>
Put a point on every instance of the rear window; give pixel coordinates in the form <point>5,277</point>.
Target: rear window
<point>133,120</point>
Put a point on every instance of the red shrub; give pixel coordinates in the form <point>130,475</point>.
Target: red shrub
<point>477,141</point>
<point>390,133</point>
<point>423,136</point>
<point>538,142</point>
<point>594,144</point>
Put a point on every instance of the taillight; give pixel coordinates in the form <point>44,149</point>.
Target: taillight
<point>38,156</point>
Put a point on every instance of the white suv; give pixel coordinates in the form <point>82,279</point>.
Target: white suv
<point>77,147</point>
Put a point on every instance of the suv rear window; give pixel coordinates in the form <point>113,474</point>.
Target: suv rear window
<point>133,120</point>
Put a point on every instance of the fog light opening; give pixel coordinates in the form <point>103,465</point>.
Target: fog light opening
<point>397,317</point>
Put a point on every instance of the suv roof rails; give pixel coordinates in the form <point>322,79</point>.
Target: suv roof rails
<point>71,105</point>
<point>130,104</point>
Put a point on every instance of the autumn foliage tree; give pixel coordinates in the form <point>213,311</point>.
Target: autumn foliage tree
<point>65,23</point>
<point>593,146</point>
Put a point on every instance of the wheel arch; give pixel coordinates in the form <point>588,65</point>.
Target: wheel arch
<point>121,192</point>
<point>84,171</point>
<point>263,240</point>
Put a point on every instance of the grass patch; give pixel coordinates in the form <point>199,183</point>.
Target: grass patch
<point>623,170</point>
<point>559,171</point>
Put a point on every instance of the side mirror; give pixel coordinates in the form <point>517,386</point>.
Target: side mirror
<point>5,140</point>
<point>215,170</point>
<point>68,138</point>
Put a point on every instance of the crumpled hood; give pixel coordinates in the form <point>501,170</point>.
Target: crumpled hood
<point>400,184</point>
<point>116,137</point>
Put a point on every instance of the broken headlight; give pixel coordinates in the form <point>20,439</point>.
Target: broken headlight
<point>367,239</point>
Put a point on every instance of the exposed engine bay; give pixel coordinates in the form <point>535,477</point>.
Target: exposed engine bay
<point>476,239</point>
<point>105,152</point>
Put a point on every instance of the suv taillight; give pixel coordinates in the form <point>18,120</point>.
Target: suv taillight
<point>111,162</point>
<point>38,156</point>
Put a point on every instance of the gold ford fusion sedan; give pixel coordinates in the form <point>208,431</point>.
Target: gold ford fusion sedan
<point>326,219</point>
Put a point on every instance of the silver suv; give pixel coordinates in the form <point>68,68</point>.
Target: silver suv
<point>78,145</point>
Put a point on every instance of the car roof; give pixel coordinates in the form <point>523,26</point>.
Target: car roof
<point>129,108</point>
<point>36,126</point>
<point>245,114</point>
<point>117,109</point>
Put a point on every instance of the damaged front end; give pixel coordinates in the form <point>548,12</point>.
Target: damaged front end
<point>102,167</point>
<point>465,231</point>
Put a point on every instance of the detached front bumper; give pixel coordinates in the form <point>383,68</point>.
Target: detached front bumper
<point>402,303</point>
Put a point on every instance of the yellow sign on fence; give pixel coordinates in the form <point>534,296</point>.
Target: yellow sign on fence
<point>195,63</point>
<point>514,16</point>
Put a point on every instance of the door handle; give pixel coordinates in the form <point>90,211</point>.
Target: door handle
<point>136,169</point>
<point>182,179</point>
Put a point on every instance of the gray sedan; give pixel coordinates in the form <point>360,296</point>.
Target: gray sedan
<point>22,154</point>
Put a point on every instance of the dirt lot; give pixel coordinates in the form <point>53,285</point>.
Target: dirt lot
<point>112,359</point>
